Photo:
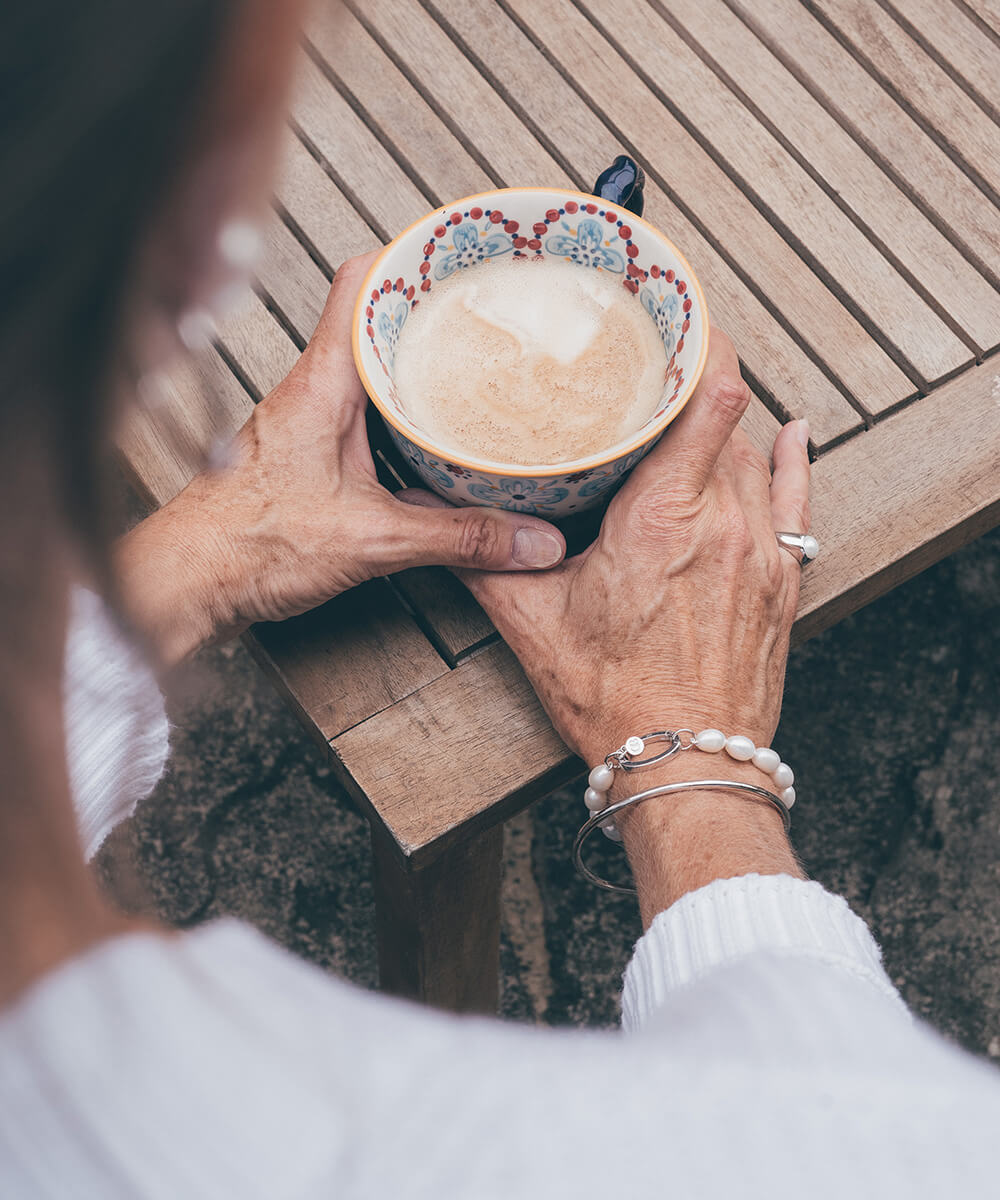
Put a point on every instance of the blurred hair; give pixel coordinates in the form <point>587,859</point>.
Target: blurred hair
<point>97,99</point>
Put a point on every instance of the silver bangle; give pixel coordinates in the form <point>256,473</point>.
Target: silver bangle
<point>666,789</point>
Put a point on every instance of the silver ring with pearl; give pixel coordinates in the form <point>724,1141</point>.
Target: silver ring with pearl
<point>806,545</point>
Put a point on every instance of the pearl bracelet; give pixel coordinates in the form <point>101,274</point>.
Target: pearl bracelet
<point>710,741</point>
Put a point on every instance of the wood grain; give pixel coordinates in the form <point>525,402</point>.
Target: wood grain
<point>323,217</point>
<point>894,58</point>
<point>438,930</point>
<point>883,211</point>
<point>376,185</point>
<point>738,230</point>
<point>784,371</point>
<point>883,509</point>
<point>448,783</point>
<point>199,403</point>
<point>988,11</point>
<point>971,56</point>
<point>262,349</point>
<point>840,253</point>
<point>508,153</point>
<point>291,279</point>
<point>445,611</point>
<point>405,120</point>
<point>878,124</point>
<point>348,659</point>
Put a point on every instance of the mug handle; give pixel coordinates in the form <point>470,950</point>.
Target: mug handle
<point>622,184</point>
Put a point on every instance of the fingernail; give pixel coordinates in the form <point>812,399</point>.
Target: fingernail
<point>536,548</point>
<point>802,434</point>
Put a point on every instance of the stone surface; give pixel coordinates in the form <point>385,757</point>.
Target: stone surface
<point>892,723</point>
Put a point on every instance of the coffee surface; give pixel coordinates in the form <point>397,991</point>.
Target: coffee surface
<point>529,361</point>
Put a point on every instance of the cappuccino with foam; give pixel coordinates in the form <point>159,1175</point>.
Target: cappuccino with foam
<point>529,361</point>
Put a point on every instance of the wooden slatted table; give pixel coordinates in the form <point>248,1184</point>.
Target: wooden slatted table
<point>832,170</point>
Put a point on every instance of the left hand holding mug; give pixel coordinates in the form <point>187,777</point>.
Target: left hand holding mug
<point>300,516</point>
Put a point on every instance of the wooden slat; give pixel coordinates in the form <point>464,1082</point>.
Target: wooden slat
<point>508,152</point>
<point>883,509</point>
<point>957,43</point>
<point>291,280</point>
<point>920,249</point>
<point>390,201</point>
<point>988,11</point>
<point>262,349</point>
<point>163,449</point>
<point>740,233</point>
<point>894,500</point>
<point>780,366</point>
<point>878,123</point>
<point>320,211</point>
<point>348,659</point>
<point>821,231</point>
<point>449,779</point>
<point>404,118</point>
<point>919,83</point>
<point>452,619</point>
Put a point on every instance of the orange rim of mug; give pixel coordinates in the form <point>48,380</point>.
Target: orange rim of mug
<point>537,469</point>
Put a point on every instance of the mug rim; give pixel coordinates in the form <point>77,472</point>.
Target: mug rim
<point>536,470</point>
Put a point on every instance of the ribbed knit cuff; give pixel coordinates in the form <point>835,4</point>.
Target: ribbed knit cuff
<point>116,724</point>
<point>732,918</point>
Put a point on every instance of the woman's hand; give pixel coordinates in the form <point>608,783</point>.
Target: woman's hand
<point>300,516</point>
<point>677,616</point>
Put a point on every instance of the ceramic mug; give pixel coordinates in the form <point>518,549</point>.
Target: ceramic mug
<point>586,230</point>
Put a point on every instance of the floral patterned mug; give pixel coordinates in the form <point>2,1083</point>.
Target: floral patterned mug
<point>591,232</point>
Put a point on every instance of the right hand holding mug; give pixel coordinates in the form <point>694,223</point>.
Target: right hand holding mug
<point>679,614</point>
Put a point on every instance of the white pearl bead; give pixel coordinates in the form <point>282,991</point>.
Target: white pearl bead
<point>710,740</point>
<point>634,745</point>
<point>783,775</point>
<point>740,747</point>
<point>810,546</point>
<point>595,801</point>
<point>601,778</point>
<point>788,795</point>
<point>766,759</point>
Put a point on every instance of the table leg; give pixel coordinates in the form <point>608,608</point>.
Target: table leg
<point>438,928</point>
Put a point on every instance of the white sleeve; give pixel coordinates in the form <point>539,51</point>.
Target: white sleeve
<point>115,721</point>
<point>732,920</point>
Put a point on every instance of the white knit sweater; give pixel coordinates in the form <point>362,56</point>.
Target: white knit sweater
<point>767,1053</point>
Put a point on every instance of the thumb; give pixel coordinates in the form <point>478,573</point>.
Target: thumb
<point>486,539</point>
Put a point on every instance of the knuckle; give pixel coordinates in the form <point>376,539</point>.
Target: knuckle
<point>478,540</point>
<point>729,396</point>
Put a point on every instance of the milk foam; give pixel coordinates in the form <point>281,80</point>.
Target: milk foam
<point>527,361</point>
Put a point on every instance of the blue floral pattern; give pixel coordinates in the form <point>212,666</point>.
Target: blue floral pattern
<point>520,495</point>
<point>430,470</point>
<point>470,248</point>
<point>663,311</point>
<point>389,325</point>
<point>587,248</point>
<point>607,477</point>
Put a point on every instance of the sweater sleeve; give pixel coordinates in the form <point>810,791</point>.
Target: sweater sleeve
<point>116,724</point>
<point>735,919</point>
